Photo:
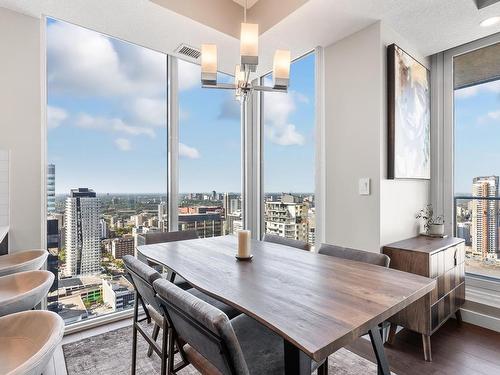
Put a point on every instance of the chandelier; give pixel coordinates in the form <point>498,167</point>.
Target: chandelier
<point>249,59</point>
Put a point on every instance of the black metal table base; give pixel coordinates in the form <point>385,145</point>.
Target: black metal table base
<point>297,364</point>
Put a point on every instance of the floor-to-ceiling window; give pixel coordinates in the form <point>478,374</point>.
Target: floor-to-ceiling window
<point>209,155</point>
<point>107,164</point>
<point>477,157</point>
<point>288,147</point>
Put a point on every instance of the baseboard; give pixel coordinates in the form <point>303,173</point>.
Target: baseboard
<point>481,315</point>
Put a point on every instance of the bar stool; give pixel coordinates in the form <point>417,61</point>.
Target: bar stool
<point>29,339</point>
<point>22,261</point>
<point>24,290</point>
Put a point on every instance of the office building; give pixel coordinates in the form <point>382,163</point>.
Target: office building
<point>51,188</point>
<point>123,246</point>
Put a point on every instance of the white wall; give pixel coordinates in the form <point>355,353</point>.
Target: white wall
<point>352,145</point>
<point>356,146</point>
<point>4,188</point>
<point>20,125</point>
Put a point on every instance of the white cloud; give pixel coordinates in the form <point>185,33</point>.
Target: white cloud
<point>83,62</point>
<point>55,116</point>
<point>471,91</point>
<point>123,144</point>
<point>87,121</point>
<point>189,75</point>
<point>277,109</point>
<point>494,115</point>
<point>188,152</point>
<point>151,111</point>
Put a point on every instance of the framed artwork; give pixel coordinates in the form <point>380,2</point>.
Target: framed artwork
<point>409,116</point>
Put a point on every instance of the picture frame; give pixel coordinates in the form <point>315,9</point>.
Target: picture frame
<point>408,116</point>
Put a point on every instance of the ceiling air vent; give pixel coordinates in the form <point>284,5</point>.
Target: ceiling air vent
<point>189,52</point>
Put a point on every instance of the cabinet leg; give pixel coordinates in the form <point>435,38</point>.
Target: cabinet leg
<point>392,334</point>
<point>458,316</point>
<point>426,341</point>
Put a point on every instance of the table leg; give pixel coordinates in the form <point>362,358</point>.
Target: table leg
<point>426,343</point>
<point>378,348</point>
<point>295,362</point>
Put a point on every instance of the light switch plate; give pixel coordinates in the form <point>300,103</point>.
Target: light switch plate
<point>364,186</point>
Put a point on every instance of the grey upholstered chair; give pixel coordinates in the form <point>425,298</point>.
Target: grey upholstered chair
<point>23,290</point>
<point>377,259</point>
<point>28,341</point>
<point>215,344</point>
<point>287,242</point>
<point>142,277</point>
<point>161,237</point>
<point>27,260</point>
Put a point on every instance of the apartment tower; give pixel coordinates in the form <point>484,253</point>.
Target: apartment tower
<point>485,217</point>
<point>83,232</point>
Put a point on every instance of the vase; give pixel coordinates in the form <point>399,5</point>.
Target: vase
<point>436,229</point>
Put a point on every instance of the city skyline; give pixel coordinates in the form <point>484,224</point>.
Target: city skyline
<point>106,120</point>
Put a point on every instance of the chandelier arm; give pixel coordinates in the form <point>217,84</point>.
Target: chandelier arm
<point>221,86</point>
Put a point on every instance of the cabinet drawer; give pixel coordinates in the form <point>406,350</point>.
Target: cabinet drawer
<point>446,259</point>
<point>446,306</point>
<point>447,282</point>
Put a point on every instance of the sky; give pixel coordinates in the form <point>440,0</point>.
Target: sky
<point>106,117</point>
<point>477,134</point>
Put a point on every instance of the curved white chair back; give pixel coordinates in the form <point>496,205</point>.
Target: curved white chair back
<point>27,260</point>
<point>29,339</point>
<point>23,290</point>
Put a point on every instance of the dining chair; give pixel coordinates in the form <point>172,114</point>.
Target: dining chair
<point>213,343</point>
<point>161,237</point>
<point>376,259</point>
<point>287,241</point>
<point>142,277</point>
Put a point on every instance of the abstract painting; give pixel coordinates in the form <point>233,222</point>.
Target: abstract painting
<point>409,116</point>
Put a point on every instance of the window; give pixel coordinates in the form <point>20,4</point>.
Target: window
<point>209,156</point>
<point>288,147</point>
<point>107,172</point>
<point>477,161</point>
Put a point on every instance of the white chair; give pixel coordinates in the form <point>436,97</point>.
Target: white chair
<point>24,290</point>
<point>29,339</point>
<point>27,260</point>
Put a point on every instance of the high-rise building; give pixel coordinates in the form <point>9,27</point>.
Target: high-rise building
<point>163,216</point>
<point>51,188</point>
<point>104,228</point>
<point>287,218</point>
<point>82,233</point>
<point>485,217</point>
<point>123,246</point>
<point>206,224</point>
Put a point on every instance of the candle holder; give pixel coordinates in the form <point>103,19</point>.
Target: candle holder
<point>243,259</point>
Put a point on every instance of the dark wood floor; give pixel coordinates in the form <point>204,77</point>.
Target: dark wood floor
<point>456,350</point>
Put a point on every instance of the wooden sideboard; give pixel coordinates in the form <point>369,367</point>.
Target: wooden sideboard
<point>442,259</point>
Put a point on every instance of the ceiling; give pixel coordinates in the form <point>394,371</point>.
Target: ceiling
<point>429,26</point>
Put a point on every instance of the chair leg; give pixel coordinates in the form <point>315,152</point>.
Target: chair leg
<point>134,335</point>
<point>392,334</point>
<point>323,369</point>
<point>167,355</point>
<point>378,348</point>
<point>156,331</point>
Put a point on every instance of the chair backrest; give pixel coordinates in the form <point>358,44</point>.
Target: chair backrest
<point>142,277</point>
<point>287,242</point>
<point>377,259</point>
<point>159,237</point>
<point>204,327</point>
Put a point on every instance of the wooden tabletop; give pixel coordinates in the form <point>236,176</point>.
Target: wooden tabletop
<point>316,302</point>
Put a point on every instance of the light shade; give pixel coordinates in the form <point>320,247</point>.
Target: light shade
<point>490,21</point>
<point>209,64</point>
<point>281,69</point>
<point>239,76</point>
<point>249,45</point>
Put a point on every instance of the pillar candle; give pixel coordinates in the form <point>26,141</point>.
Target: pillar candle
<point>244,243</point>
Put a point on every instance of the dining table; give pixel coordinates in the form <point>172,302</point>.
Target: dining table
<point>316,303</point>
